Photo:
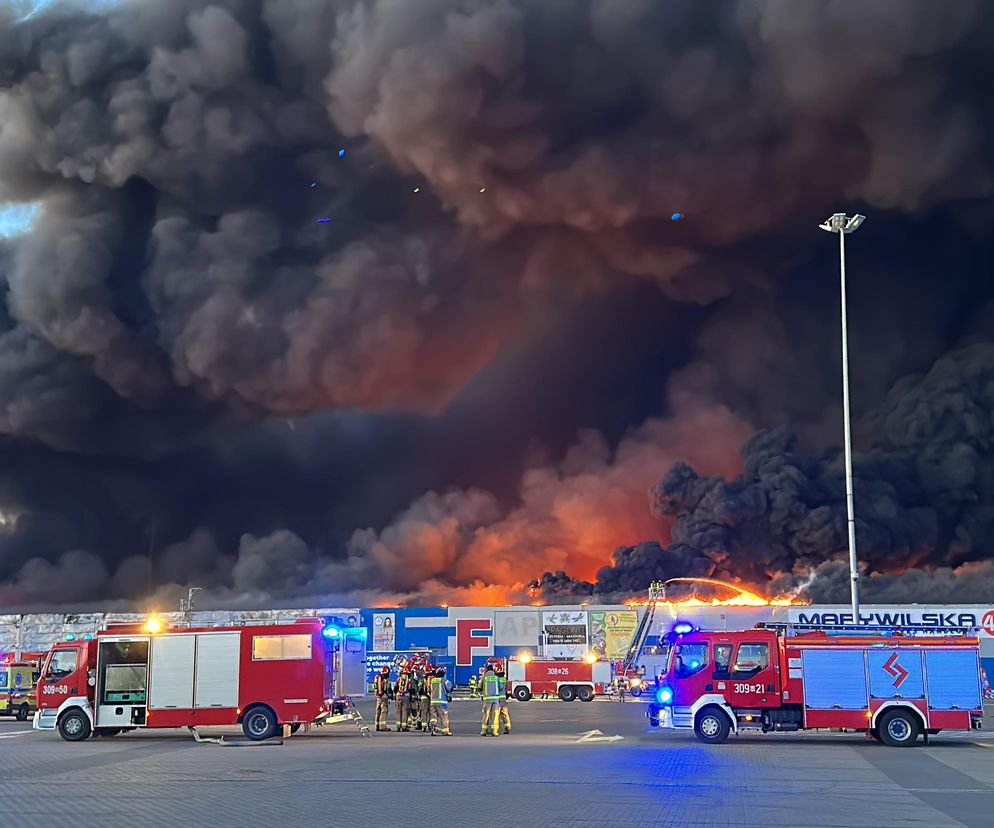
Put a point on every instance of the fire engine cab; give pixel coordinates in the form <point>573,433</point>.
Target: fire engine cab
<point>893,684</point>
<point>260,676</point>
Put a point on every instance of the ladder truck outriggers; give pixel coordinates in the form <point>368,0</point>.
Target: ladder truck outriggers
<point>269,678</point>
<point>894,684</point>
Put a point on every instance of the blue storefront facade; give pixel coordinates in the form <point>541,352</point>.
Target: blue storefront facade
<point>462,638</point>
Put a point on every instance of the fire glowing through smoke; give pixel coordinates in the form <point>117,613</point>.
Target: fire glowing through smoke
<point>741,596</point>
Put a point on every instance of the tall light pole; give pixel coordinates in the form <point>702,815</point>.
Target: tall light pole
<point>843,225</point>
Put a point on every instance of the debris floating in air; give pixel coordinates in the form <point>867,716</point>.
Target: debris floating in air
<point>676,217</point>
<point>483,189</point>
<point>417,189</point>
<point>324,220</point>
<point>341,153</point>
<point>313,184</point>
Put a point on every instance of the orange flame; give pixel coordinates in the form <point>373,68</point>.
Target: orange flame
<point>742,597</point>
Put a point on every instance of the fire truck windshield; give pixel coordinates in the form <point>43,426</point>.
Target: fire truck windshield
<point>61,664</point>
<point>689,659</point>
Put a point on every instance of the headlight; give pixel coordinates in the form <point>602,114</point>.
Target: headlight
<point>636,682</point>
<point>664,695</point>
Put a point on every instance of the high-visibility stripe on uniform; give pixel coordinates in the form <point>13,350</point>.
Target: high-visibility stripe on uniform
<point>438,694</point>
<point>491,687</point>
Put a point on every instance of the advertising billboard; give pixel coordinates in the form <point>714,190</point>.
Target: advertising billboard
<point>384,632</point>
<point>565,633</point>
<point>611,632</point>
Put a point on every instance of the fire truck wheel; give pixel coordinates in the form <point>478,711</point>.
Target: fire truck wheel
<point>522,693</point>
<point>567,693</point>
<point>22,713</point>
<point>636,692</point>
<point>898,728</point>
<point>586,694</point>
<point>711,726</point>
<point>259,723</point>
<point>74,726</point>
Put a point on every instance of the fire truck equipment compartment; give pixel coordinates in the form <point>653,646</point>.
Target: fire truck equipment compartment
<point>217,669</point>
<point>172,676</point>
<point>834,679</point>
<point>953,680</point>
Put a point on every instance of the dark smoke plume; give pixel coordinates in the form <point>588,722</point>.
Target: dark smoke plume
<point>321,295</point>
<point>924,498</point>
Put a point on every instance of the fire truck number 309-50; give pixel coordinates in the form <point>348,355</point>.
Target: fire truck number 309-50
<point>53,689</point>
<point>748,688</point>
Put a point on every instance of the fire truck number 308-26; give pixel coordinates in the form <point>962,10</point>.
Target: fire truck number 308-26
<point>748,688</point>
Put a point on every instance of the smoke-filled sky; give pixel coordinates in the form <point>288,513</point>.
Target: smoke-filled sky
<point>415,301</point>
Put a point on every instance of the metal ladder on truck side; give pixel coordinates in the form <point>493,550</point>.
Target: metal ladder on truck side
<point>358,720</point>
<point>656,590</point>
<point>348,712</point>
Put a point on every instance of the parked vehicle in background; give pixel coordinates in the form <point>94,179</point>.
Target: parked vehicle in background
<point>17,687</point>
<point>567,679</point>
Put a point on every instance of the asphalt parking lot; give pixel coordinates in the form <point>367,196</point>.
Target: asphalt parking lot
<point>540,775</point>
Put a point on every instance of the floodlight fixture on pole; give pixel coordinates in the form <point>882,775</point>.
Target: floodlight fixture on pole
<point>843,225</point>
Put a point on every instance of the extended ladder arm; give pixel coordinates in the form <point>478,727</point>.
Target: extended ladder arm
<point>642,631</point>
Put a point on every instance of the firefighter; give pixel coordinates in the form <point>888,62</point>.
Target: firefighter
<point>402,693</point>
<point>383,690</point>
<point>439,690</point>
<point>424,707</point>
<point>503,713</point>
<point>414,718</point>
<point>472,686</point>
<point>491,702</point>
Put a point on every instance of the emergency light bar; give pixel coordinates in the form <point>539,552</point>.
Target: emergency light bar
<point>868,629</point>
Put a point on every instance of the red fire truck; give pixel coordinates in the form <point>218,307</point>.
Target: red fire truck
<point>570,680</point>
<point>260,676</point>
<point>893,684</point>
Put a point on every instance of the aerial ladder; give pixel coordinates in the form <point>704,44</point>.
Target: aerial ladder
<point>656,592</point>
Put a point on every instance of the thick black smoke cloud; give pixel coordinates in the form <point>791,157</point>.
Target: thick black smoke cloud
<point>193,361</point>
<point>924,497</point>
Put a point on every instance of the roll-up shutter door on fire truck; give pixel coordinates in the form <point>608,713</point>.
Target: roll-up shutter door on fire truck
<point>171,683</point>
<point>834,679</point>
<point>953,678</point>
<point>896,674</point>
<point>217,669</point>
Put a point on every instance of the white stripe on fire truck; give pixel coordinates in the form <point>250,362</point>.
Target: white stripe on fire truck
<point>295,701</point>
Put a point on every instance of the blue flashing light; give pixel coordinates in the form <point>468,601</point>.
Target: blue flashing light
<point>664,695</point>
<point>676,216</point>
<point>331,631</point>
<point>341,153</point>
<point>683,627</point>
<point>88,637</point>
<point>694,664</point>
<point>70,636</point>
